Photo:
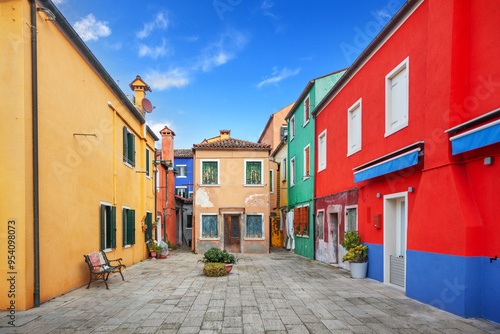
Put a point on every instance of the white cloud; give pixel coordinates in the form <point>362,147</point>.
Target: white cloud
<point>278,76</point>
<point>156,127</point>
<point>222,51</point>
<point>90,29</point>
<point>160,22</point>
<point>161,81</point>
<point>153,52</point>
<point>266,8</point>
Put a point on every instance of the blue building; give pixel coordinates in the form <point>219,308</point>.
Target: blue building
<point>183,164</point>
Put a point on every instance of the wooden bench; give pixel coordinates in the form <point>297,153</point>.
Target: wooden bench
<point>100,267</point>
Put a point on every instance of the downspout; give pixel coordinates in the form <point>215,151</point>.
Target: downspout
<point>166,206</point>
<point>34,105</point>
<point>154,187</point>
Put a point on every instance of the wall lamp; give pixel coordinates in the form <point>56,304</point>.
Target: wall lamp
<point>51,16</point>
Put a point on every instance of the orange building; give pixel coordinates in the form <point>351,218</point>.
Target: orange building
<point>231,203</point>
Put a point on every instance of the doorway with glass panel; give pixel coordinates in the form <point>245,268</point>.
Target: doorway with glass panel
<point>395,235</point>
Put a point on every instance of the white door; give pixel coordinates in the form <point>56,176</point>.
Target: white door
<point>395,215</point>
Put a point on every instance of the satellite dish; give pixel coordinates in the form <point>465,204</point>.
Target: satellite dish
<point>146,105</point>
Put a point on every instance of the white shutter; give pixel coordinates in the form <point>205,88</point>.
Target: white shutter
<point>399,99</point>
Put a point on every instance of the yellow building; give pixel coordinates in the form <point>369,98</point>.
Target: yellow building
<point>278,226</point>
<point>231,202</point>
<point>76,171</point>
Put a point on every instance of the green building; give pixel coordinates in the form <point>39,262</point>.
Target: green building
<point>301,145</point>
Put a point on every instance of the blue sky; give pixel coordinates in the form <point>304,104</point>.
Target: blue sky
<point>224,64</point>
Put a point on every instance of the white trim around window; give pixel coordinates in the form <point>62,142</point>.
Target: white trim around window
<point>185,191</point>
<point>292,128</point>
<point>322,151</point>
<point>351,207</point>
<point>261,173</point>
<point>322,211</point>
<point>354,117</point>
<point>201,226</point>
<point>307,110</point>
<point>262,222</point>
<point>292,172</point>
<point>304,176</point>
<point>181,176</point>
<point>201,172</point>
<point>397,98</point>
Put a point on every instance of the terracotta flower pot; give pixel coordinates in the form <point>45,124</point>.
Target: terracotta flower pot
<point>153,254</point>
<point>229,266</point>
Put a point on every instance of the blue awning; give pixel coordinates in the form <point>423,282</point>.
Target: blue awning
<point>398,162</point>
<point>484,135</point>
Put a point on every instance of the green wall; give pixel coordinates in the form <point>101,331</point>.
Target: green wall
<point>302,193</point>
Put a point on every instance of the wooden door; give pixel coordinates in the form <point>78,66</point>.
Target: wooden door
<point>232,233</point>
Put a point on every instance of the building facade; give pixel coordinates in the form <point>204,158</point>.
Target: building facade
<point>77,171</point>
<point>231,202</point>
<point>279,235</point>
<point>301,148</point>
<point>407,140</point>
<point>183,164</point>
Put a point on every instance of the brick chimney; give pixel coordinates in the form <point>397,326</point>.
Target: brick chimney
<point>140,88</point>
<point>224,134</point>
<point>167,144</point>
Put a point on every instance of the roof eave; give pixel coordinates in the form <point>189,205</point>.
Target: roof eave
<point>80,45</point>
<point>358,63</point>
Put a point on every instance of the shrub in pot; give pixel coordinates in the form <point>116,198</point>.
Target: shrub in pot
<point>214,269</point>
<point>357,255</point>
<point>215,255</point>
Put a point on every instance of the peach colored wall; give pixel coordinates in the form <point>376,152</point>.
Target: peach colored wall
<point>231,193</point>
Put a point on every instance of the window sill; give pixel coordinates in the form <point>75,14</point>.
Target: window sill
<point>291,139</point>
<point>321,169</point>
<point>302,236</point>
<point>189,228</point>
<point>254,239</point>
<point>209,239</point>
<point>396,129</point>
<point>353,152</point>
<point>209,185</point>
<point>107,250</point>
<point>292,185</point>
<point>305,177</point>
<point>127,246</point>
<point>149,177</point>
<point>128,165</point>
<point>181,177</point>
<point>253,185</point>
<point>306,123</point>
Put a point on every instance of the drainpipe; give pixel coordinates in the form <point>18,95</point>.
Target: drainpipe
<point>34,105</point>
<point>154,187</point>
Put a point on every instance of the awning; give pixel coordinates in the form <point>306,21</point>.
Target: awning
<point>386,166</point>
<point>484,135</point>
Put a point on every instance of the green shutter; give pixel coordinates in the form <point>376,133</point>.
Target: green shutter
<point>113,227</point>
<point>210,174</point>
<point>131,227</point>
<point>124,226</point>
<point>131,149</point>
<point>147,162</point>
<point>149,228</point>
<point>103,216</point>
<point>254,172</point>
<point>125,144</point>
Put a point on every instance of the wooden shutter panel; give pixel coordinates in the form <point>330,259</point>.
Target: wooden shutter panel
<point>113,227</point>
<point>306,218</point>
<point>149,229</point>
<point>147,162</point>
<point>131,149</point>
<point>131,227</point>
<point>103,215</point>
<point>125,144</point>
<point>307,162</point>
<point>124,226</point>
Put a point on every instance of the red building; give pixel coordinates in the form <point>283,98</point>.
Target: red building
<point>407,147</point>
<point>165,189</point>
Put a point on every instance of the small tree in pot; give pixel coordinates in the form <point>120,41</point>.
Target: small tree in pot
<point>221,258</point>
<point>357,255</point>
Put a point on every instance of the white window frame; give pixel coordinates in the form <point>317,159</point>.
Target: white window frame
<point>292,128</point>
<point>190,194</point>
<point>180,176</point>
<point>284,165</point>
<point>263,229</point>
<point>321,161</point>
<point>349,207</point>
<point>307,111</point>
<point>300,235</point>
<point>192,215</point>
<point>271,181</point>
<point>292,172</point>
<point>389,130</point>
<point>201,226</point>
<point>317,222</point>
<point>350,127</point>
<point>148,162</point>
<point>201,172</point>
<point>261,173</point>
<point>106,250</point>
<point>304,176</point>
<point>182,187</point>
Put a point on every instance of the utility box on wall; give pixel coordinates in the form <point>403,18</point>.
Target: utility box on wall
<point>377,221</point>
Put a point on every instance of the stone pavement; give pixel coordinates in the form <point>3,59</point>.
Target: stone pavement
<point>276,293</point>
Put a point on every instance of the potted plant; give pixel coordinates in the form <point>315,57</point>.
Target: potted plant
<point>144,227</point>
<point>215,259</point>
<point>153,248</point>
<point>357,255</point>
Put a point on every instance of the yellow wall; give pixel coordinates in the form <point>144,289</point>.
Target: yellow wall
<point>76,172</point>
<point>231,194</point>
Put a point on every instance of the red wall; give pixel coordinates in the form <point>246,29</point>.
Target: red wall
<point>454,76</point>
